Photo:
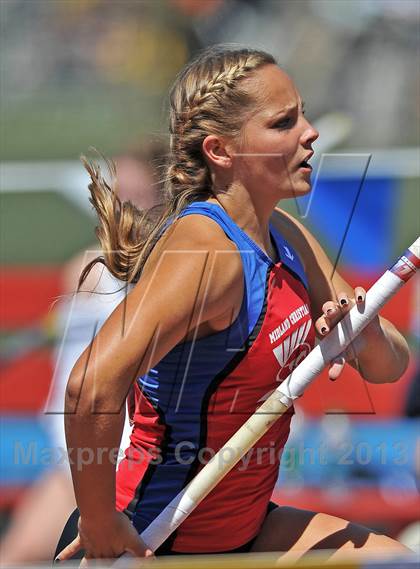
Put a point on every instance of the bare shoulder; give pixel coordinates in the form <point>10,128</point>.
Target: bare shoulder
<point>194,274</point>
<point>198,230</point>
<point>198,240</point>
<point>190,281</point>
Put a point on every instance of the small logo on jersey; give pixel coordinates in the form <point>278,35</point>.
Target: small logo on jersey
<point>289,254</point>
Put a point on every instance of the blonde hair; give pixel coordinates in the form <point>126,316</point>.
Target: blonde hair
<point>206,98</point>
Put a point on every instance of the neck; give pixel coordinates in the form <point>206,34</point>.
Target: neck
<point>250,215</point>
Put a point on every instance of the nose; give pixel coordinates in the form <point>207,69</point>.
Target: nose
<point>309,133</point>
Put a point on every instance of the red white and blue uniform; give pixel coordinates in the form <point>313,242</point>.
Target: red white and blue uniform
<point>201,392</point>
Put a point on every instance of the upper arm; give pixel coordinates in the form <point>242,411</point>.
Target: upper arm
<point>186,281</point>
<point>325,283</point>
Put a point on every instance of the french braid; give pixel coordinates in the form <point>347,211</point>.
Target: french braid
<point>207,98</point>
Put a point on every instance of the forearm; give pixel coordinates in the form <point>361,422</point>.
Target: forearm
<point>94,439</point>
<point>382,353</point>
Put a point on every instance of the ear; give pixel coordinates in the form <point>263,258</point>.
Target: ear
<point>216,151</point>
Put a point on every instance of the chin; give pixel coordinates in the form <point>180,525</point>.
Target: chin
<point>300,189</point>
<point>307,187</point>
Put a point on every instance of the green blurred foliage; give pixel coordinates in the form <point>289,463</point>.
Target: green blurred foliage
<point>83,73</point>
<point>53,127</point>
<point>41,228</point>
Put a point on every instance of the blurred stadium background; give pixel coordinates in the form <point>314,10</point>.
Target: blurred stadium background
<point>77,73</point>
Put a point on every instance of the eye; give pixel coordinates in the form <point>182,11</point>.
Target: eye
<point>286,122</point>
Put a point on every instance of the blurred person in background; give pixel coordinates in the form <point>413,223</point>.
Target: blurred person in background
<point>239,143</point>
<point>40,515</point>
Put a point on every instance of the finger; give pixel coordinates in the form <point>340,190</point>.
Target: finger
<point>343,301</point>
<point>330,309</point>
<point>337,366</point>
<point>70,550</point>
<point>360,294</point>
<point>321,326</point>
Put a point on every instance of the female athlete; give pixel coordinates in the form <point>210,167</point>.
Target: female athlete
<point>230,293</point>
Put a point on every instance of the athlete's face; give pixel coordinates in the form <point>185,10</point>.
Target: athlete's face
<point>277,138</point>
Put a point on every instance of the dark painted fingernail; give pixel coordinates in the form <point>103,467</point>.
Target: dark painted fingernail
<point>343,302</point>
<point>324,330</point>
<point>360,298</point>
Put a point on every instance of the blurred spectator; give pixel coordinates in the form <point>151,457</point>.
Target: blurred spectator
<point>110,62</point>
<point>41,514</point>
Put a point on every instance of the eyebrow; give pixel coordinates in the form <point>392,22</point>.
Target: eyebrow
<point>289,108</point>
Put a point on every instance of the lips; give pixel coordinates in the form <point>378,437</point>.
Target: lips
<point>305,164</point>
